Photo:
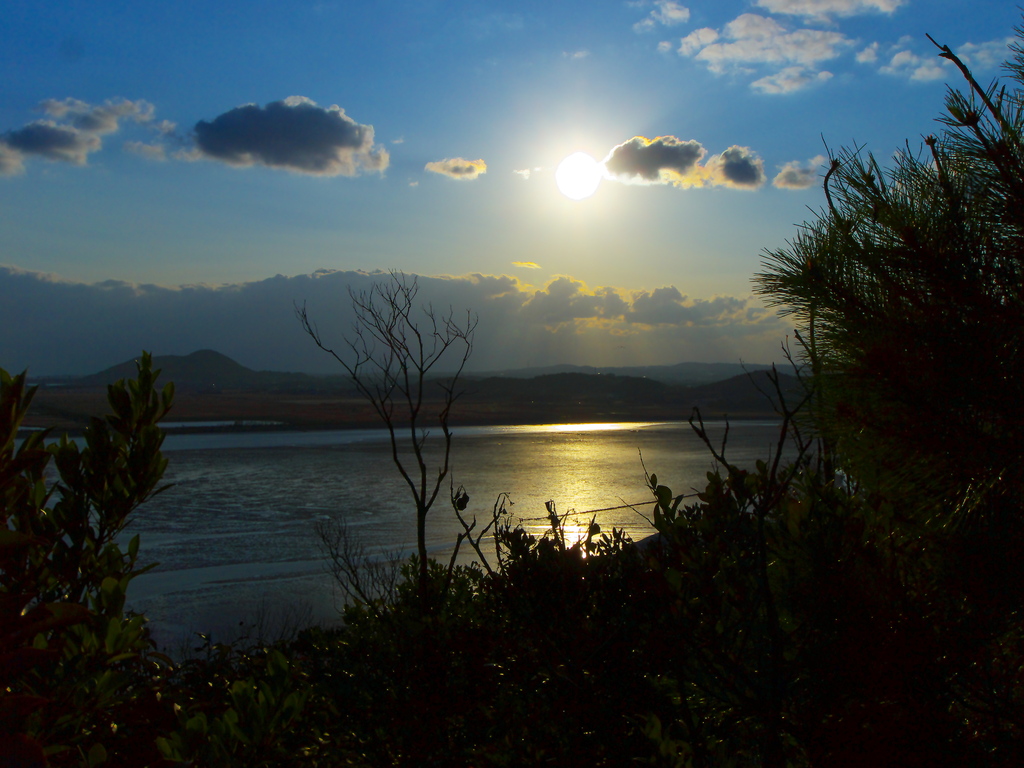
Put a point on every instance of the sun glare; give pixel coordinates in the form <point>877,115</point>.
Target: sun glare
<point>578,176</point>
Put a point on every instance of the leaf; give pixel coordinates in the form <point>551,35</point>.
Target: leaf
<point>97,754</point>
<point>12,541</point>
<point>664,495</point>
<point>53,615</point>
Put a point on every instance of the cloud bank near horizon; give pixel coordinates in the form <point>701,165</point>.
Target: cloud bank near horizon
<point>53,326</point>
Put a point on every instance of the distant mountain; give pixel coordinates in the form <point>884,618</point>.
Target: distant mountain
<point>208,370</point>
<point>689,374</point>
<point>714,387</point>
<point>584,394</point>
<point>746,394</point>
<point>558,396</point>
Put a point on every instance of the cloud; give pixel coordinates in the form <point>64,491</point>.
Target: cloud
<point>148,151</point>
<point>868,55</point>
<point>295,134</point>
<point>737,167</point>
<point>72,133</point>
<point>906,63</point>
<point>901,61</point>
<point>55,326</point>
<point>458,168</point>
<point>565,301</point>
<point>668,307</point>
<point>526,264</point>
<point>575,55</point>
<point>789,79</point>
<point>666,13</point>
<point>100,119</point>
<point>669,160</point>
<point>824,10</point>
<point>47,139</point>
<point>525,173</point>
<point>664,159</point>
<point>751,39</point>
<point>12,162</point>
<point>696,40</point>
<point>796,175</point>
<point>986,56</point>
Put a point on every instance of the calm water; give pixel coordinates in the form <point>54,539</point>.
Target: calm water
<point>235,534</point>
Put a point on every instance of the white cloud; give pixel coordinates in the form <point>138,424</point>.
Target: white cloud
<point>797,175</point>
<point>824,10</point>
<point>789,79</point>
<point>751,39</point>
<point>696,40</point>
<point>986,56</point>
<point>868,55</point>
<point>900,60</point>
<point>99,119</point>
<point>906,63</point>
<point>666,13</point>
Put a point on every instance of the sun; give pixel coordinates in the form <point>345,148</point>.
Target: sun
<point>578,176</point>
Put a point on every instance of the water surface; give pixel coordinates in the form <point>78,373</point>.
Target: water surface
<point>235,537</point>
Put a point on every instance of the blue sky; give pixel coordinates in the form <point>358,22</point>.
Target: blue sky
<point>147,146</point>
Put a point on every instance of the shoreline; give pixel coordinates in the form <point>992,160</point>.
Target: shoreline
<point>68,410</point>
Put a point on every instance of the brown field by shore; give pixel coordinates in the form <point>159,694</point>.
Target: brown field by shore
<point>69,409</point>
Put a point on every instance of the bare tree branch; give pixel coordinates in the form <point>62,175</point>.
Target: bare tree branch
<point>392,352</point>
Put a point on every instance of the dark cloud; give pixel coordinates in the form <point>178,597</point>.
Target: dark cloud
<point>295,134</point>
<point>654,160</point>
<point>566,300</point>
<point>458,168</point>
<point>737,167</point>
<point>54,326</point>
<point>668,160</point>
<point>668,307</point>
<point>54,142</point>
<point>73,139</point>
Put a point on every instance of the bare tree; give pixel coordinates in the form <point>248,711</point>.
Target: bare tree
<point>393,351</point>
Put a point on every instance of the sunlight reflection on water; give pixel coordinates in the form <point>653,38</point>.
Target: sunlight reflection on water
<point>237,527</point>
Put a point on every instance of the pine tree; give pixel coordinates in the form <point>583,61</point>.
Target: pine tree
<point>908,293</point>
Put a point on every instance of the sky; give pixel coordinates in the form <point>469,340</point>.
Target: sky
<point>177,176</point>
